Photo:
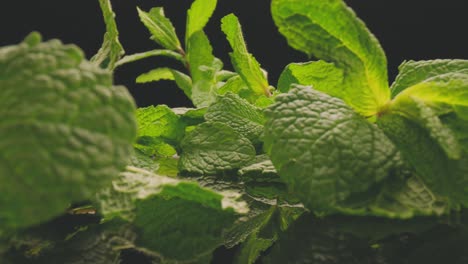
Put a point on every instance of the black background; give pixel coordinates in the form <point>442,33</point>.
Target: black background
<point>407,29</point>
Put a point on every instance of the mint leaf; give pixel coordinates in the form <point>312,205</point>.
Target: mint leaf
<point>402,196</point>
<point>323,150</point>
<point>320,74</point>
<point>156,75</point>
<point>414,72</point>
<point>63,125</point>
<point>408,198</point>
<point>237,113</point>
<point>214,147</point>
<point>266,227</point>
<point>244,62</point>
<point>444,176</point>
<point>330,31</point>
<point>191,116</point>
<point>150,202</point>
<point>259,170</point>
<point>157,127</point>
<point>426,102</point>
<point>235,85</point>
<point>203,69</point>
<point>111,50</point>
<point>184,82</point>
<point>161,29</point>
<point>198,16</point>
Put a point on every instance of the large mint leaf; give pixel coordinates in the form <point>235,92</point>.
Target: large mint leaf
<point>198,16</point>
<point>329,30</point>
<point>323,149</point>
<point>322,75</point>
<point>414,72</point>
<point>244,62</point>
<point>239,114</point>
<point>444,176</point>
<point>179,220</point>
<point>63,126</point>
<point>214,147</point>
<point>402,196</point>
<point>111,50</point>
<point>161,29</point>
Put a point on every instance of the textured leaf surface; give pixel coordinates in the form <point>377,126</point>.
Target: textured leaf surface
<point>323,149</point>
<point>161,29</point>
<point>244,62</point>
<point>414,72</point>
<point>239,114</point>
<point>177,219</point>
<point>63,125</point>
<point>399,197</point>
<point>330,31</point>
<point>260,170</point>
<point>319,74</point>
<point>111,50</point>
<point>444,176</point>
<point>214,147</point>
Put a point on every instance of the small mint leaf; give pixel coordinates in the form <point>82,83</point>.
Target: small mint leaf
<point>161,29</point>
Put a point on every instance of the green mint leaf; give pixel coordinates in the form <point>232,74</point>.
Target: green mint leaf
<point>214,147</point>
<point>244,63</point>
<point>161,29</point>
<point>203,69</point>
<point>323,150</point>
<point>191,116</point>
<point>111,50</point>
<point>259,170</point>
<point>63,125</point>
<point>184,82</point>
<point>151,53</point>
<point>239,114</point>
<point>156,75</point>
<point>198,16</point>
<point>330,31</point>
<point>235,85</point>
<point>414,72</point>
<point>158,128</point>
<point>444,176</point>
<point>140,160</point>
<point>407,199</point>
<point>458,127</point>
<point>425,102</point>
<point>403,196</point>
<point>203,215</point>
<point>323,76</point>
